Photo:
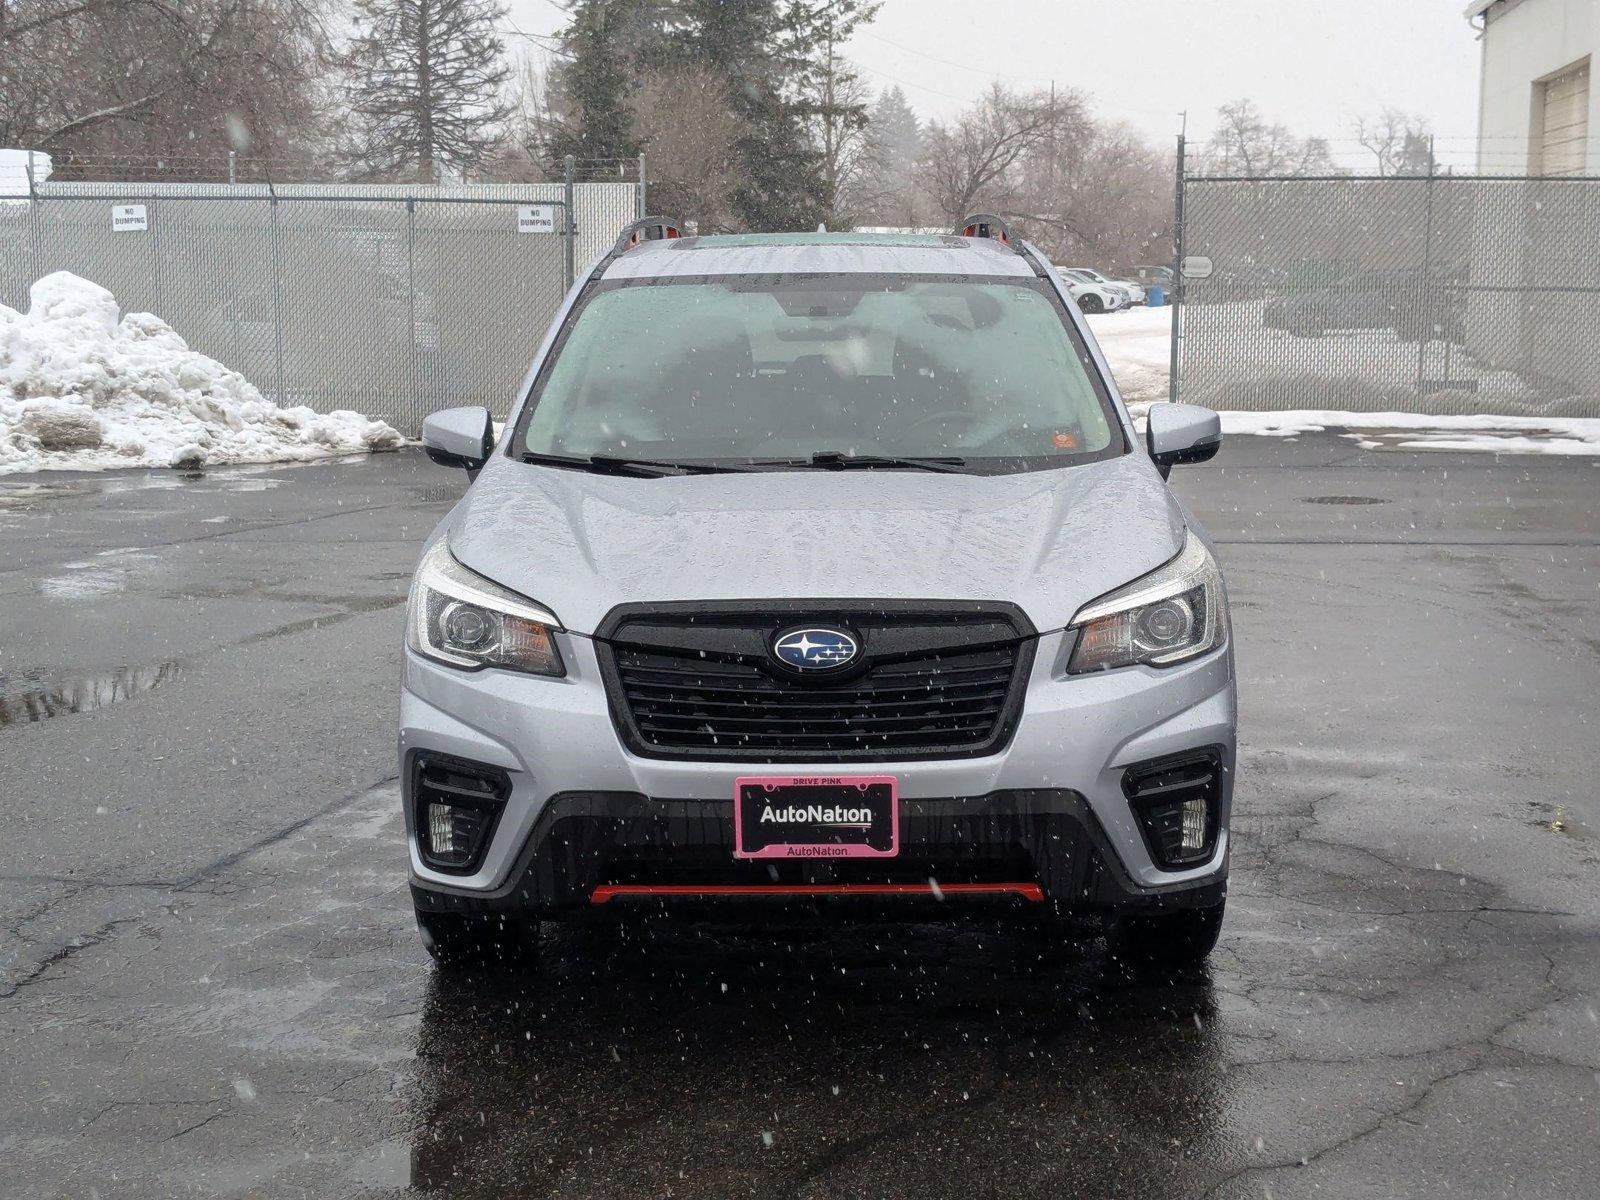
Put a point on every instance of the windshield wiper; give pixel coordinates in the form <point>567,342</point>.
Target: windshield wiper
<point>837,460</point>
<point>618,464</point>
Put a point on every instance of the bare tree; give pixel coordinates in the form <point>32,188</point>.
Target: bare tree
<point>528,128</point>
<point>427,82</point>
<point>1082,189</point>
<point>162,79</point>
<point>1106,199</point>
<point>831,98</point>
<point>1401,143</point>
<point>973,160</point>
<point>1246,143</point>
<point>682,118</point>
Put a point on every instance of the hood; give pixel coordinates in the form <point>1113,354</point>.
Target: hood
<point>1049,541</point>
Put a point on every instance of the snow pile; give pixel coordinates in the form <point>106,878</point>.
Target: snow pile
<point>1418,431</point>
<point>1137,345</point>
<point>81,390</point>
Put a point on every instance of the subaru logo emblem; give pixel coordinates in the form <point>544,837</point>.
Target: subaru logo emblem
<point>815,649</point>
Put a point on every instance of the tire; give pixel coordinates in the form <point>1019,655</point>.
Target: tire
<point>1091,304</point>
<point>1171,940</point>
<point>469,941</point>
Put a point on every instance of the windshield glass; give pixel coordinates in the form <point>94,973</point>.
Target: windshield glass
<point>742,368</point>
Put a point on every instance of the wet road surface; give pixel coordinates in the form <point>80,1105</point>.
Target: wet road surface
<point>210,985</point>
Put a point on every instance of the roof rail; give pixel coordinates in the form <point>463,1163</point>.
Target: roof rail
<point>986,225</point>
<point>646,229</point>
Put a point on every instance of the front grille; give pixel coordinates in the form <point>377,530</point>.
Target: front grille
<point>931,683</point>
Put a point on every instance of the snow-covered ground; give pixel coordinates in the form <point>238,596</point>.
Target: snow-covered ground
<point>15,165</point>
<point>82,390</point>
<point>1138,345</point>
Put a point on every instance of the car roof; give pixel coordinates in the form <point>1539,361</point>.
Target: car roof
<point>814,253</point>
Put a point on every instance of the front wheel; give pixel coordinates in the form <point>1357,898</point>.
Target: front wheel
<point>1176,939</point>
<point>470,941</point>
<point>1091,304</point>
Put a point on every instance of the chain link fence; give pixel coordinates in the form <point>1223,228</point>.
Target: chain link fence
<point>392,301</point>
<point>1423,294</point>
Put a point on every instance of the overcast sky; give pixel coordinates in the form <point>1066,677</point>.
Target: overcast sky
<point>1312,64</point>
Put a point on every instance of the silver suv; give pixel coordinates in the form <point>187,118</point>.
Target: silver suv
<point>818,569</point>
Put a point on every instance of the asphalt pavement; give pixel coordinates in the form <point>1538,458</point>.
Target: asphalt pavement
<point>210,984</point>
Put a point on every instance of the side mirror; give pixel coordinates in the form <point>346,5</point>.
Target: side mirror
<point>459,437</point>
<point>1181,433</point>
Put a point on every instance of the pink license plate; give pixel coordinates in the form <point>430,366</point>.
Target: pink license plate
<point>816,816</point>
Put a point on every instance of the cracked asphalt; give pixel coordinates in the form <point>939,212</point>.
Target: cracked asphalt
<point>210,984</point>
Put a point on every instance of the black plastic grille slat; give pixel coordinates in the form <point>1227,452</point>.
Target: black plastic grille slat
<point>883,679</point>
<point>799,706</point>
<point>827,726</point>
<point>950,698</point>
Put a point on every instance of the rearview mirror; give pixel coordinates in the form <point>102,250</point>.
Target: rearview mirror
<point>459,437</point>
<point>1181,433</point>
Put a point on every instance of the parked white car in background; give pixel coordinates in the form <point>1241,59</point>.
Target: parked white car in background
<point>1094,297</point>
<point>1135,291</point>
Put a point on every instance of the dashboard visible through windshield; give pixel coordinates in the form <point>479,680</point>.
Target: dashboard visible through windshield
<point>775,370</point>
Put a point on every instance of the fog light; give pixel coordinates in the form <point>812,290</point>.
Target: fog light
<point>441,830</point>
<point>1194,825</point>
<point>1177,801</point>
<point>457,805</point>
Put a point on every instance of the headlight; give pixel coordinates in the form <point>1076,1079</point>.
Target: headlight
<point>1172,614</point>
<point>458,617</point>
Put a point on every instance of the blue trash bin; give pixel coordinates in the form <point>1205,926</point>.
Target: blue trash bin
<point>1155,295</point>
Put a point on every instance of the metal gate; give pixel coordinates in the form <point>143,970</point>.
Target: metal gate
<point>1424,294</point>
<point>390,302</point>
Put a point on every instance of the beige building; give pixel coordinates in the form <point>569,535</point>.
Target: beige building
<point>1537,113</point>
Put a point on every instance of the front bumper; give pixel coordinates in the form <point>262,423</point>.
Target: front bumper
<point>1049,806</point>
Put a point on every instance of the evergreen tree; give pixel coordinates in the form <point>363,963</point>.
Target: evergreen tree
<point>743,42</point>
<point>427,84</point>
<point>831,98</point>
<point>608,45</point>
<point>887,188</point>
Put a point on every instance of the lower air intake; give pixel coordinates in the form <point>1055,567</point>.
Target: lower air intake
<point>1177,801</point>
<point>456,807</point>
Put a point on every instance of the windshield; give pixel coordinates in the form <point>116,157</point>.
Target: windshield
<point>747,369</point>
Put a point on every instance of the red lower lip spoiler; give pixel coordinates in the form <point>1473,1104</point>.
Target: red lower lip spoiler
<point>607,892</point>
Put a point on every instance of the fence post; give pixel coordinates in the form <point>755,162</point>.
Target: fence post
<point>1177,277</point>
<point>1425,327</point>
<point>233,167</point>
<point>155,257</point>
<point>569,168</point>
<point>33,235</point>
<point>277,293</point>
<point>411,306</point>
<point>641,209</point>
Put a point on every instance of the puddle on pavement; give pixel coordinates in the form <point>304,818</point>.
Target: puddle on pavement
<point>1343,500</point>
<point>30,696</point>
<point>25,495</point>
<point>1558,819</point>
<point>85,581</point>
<point>90,580</point>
